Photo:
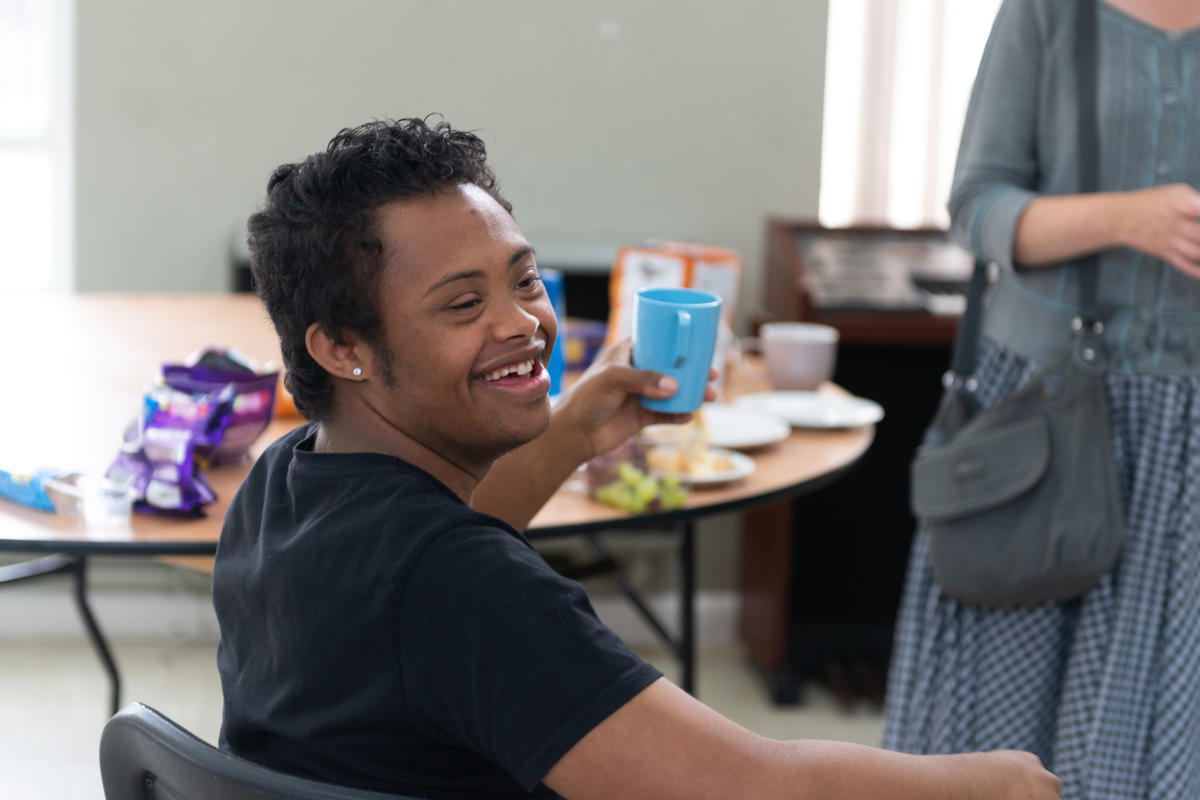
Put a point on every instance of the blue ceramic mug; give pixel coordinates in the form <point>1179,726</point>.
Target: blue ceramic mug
<point>675,332</point>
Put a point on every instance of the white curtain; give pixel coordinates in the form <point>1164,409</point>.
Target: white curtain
<point>898,76</point>
<point>36,231</point>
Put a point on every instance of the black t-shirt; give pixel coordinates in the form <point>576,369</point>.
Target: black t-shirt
<point>378,633</point>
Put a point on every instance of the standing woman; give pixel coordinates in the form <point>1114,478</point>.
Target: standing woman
<point>1104,687</point>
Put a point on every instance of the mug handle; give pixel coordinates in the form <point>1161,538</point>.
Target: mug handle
<point>683,333</point>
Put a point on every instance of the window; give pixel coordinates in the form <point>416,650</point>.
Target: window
<point>898,75</point>
<point>36,230</point>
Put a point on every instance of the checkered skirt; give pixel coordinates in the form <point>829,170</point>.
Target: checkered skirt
<point>1105,688</point>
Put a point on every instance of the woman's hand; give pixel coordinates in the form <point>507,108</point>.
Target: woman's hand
<point>602,407</point>
<point>1164,221</point>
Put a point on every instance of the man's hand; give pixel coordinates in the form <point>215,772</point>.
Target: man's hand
<point>598,413</point>
<point>602,407</point>
<point>1000,775</point>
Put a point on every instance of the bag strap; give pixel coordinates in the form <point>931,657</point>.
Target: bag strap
<point>962,364</point>
<point>1089,148</point>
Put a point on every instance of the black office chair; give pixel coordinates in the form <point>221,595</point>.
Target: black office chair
<point>145,756</point>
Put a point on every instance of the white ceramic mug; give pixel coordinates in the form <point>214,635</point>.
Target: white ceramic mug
<point>799,355</point>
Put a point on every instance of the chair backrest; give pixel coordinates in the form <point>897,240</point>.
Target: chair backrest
<point>146,756</point>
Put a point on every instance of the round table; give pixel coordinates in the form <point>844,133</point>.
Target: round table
<point>90,355</point>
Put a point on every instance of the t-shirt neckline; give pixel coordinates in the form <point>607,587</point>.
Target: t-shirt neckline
<point>310,465</point>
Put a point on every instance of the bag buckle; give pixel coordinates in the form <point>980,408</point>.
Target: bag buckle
<point>952,380</point>
<point>1088,354</point>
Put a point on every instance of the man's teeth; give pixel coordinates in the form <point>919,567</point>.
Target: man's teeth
<point>522,368</point>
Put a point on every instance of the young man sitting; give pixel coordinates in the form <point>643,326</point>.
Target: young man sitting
<point>378,630</point>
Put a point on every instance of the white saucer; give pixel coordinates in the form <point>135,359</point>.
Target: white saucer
<point>815,409</point>
<point>740,466</point>
<point>742,428</point>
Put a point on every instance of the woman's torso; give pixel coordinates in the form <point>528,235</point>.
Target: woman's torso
<point>1148,105</point>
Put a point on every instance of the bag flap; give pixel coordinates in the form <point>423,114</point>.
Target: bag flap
<point>981,470</point>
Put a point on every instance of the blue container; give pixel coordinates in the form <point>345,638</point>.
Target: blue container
<point>552,279</point>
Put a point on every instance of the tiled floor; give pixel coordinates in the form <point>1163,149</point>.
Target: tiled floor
<point>53,703</point>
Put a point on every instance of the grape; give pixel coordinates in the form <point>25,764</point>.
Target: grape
<point>646,489</point>
<point>636,492</point>
<point>674,498</point>
<point>606,495</point>
<point>629,473</point>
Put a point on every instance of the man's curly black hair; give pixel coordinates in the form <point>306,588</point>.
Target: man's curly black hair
<point>315,253</point>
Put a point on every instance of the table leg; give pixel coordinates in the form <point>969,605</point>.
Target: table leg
<point>617,575</point>
<point>79,575</point>
<point>35,568</point>
<point>687,618</point>
<point>683,645</point>
<point>77,566</point>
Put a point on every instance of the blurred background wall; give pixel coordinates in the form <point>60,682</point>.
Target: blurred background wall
<point>607,122</point>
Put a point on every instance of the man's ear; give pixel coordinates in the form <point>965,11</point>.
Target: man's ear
<point>345,359</point>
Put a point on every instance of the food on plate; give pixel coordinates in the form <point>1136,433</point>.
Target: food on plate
<point>683,450</point>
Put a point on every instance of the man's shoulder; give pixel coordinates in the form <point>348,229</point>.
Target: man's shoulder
<point>477,558</point>
<point>308,505</point>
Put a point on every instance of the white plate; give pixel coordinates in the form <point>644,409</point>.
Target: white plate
<point>742,428</point>
<point>815,409</point>
<point>740,466</point>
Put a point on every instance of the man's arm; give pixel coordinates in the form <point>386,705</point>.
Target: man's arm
<point>598,413</point>
<point>665,744</point>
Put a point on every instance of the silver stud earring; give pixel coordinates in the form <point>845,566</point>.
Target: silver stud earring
<point>357,372</point>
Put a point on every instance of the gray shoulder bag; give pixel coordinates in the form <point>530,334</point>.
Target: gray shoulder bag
<point>1021,500</point>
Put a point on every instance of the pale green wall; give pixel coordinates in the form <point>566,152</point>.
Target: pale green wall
<point>607,122</point>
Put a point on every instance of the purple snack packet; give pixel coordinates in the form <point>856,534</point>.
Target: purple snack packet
<point>242,401</point>
<point>158,456</point>
<point>238,408</point>
<point>207,411</point>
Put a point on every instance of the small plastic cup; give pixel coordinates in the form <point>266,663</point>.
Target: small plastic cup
<point>100,502</point>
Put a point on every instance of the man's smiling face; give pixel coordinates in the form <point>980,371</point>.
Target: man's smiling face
<point>467,324</point>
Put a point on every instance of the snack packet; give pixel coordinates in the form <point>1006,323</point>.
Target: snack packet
<point>158,456</point>
<point>30,489</point>
<point>101,502</point>
<point>241,401</point>
<point>207,411</point>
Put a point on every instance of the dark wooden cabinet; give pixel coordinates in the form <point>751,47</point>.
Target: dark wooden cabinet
<point>821,576</point>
